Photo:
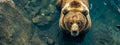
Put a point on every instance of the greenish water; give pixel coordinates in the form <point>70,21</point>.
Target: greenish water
<point>35,22</point>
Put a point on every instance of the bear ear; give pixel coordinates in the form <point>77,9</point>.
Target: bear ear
<point>59,4</point>
<point>65,11</point>
<point>85,12</point>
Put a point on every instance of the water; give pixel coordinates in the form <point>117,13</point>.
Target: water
<point>35,22</point>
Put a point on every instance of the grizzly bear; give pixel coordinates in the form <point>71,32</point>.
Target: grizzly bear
<point>74,17</point>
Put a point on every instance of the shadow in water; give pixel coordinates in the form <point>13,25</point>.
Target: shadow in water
<point>118,26</point>
<point>70,40</point>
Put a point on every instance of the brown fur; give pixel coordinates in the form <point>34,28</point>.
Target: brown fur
<point>74,12</point>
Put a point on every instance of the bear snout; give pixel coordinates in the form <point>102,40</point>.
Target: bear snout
<point>74,30</point>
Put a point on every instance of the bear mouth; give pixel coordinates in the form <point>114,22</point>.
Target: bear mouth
<point>74,33</point>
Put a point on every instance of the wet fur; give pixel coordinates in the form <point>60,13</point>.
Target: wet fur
<point>73,7</point>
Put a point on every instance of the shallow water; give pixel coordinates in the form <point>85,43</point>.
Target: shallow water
<point>35,22</point>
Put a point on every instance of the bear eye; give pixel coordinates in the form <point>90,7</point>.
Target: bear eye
<point>85,12</point>
<point>65,11</point>
<point>70,23</point>
<point>79,23</point>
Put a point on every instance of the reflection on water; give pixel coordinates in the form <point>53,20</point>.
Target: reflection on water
<point>39,25</point>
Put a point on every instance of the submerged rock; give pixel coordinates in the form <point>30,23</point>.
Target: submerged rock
<point>50,41</point>
<point>41,20</point>
<point>51,8</point>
